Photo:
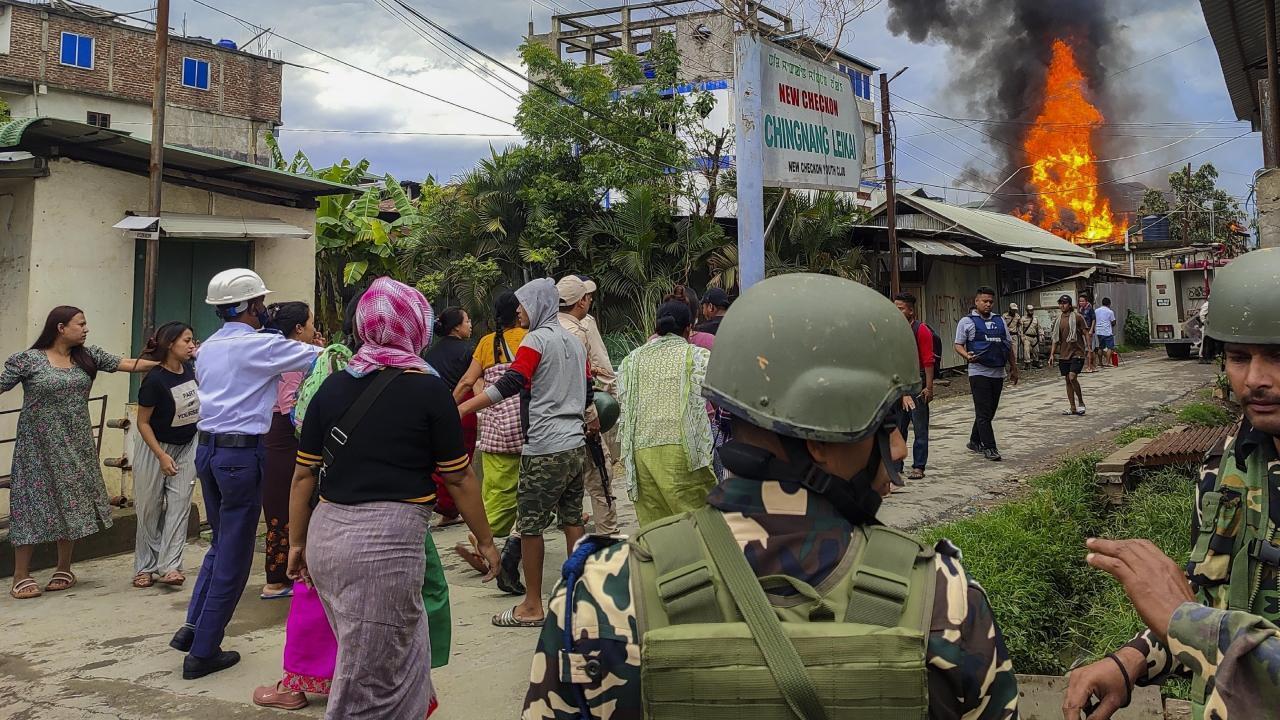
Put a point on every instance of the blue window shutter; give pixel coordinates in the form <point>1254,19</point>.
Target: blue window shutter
<point>188,71</point>
<point>84,55</point>
<point>202,75</point>
<point>68,49</point>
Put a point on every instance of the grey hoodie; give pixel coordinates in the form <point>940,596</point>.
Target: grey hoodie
<point>558,385</point>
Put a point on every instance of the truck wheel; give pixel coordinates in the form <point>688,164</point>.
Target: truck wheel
<point>1177,351</point>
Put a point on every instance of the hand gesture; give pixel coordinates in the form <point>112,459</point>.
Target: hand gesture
<point>489,552</point>
<point>297,567</point>
<point>167,465</point>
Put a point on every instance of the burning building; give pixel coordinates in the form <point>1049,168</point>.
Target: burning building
<point>1037,68</point>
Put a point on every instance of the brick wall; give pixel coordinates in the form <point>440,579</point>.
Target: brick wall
<point>240,85</point>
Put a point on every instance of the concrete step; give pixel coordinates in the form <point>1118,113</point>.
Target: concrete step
<point>119,538</point>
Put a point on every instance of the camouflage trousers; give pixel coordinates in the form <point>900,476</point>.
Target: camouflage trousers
<point>550,488</point>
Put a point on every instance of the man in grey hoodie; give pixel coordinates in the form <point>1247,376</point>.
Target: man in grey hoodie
<point>551,374</point>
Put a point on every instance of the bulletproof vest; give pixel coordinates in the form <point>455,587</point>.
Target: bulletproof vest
<point>1235,543</point>
<point>718,642</point>
<point>988,344</point>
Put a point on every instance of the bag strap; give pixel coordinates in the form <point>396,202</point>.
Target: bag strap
<point>883,580</point>
<point>797,687</point>
<point>685,581</point>
<point>341,432</point>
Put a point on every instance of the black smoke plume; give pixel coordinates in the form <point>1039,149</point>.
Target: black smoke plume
<point>1000,51</point>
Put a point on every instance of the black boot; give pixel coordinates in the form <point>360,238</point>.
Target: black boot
<point>509,570</point>
<point>194,668</point>
<point>183,638</point>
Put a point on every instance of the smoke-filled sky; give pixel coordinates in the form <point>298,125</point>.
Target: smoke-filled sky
<point>963,63</point>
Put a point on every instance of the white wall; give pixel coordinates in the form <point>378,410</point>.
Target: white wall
<point>77,258</point>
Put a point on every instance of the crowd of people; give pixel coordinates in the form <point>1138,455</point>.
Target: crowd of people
<point>755,444</point>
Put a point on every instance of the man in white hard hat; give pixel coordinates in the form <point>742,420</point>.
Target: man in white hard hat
<point>237,370</point>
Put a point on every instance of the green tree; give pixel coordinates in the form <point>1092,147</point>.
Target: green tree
<point>1201,211</point>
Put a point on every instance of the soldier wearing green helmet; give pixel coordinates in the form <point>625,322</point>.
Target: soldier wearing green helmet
<point>1216,619</point>
<point>784,597</point>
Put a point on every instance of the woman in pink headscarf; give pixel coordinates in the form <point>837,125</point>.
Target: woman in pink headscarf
<point>362,546</point>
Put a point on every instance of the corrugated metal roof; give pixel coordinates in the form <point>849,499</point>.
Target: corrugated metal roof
<point>998,228</point>
<point>941,248</point>
<point>1238,31</point>
<point>78,141</point>
<point>1036,258</point>
<point>183,225</point>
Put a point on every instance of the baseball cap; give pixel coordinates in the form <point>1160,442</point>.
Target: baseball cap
<point>1065,299</point>
<point>1013,306</point>
<point>573,288</point>
<point>716,296</point>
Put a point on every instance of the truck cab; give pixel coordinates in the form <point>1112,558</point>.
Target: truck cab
<point>1176,289</point>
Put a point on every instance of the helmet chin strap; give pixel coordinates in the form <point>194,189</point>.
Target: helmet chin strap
<point>855,498</point>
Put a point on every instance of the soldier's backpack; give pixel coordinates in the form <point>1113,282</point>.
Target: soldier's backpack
<point>715,645</point>
<point>330,360</point>
<point>937,345</point>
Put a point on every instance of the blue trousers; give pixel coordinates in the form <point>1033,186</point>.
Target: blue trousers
<point>918,419</point>
<point>231,479</point>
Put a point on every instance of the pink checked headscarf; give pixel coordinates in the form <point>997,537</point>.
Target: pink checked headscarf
<point>394,321</point>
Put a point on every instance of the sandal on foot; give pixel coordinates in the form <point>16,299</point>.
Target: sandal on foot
<point>173,577</point>
<point>916,474</point>
<point>445,522</point>
<point>285,592</point>
<point>25,589</point>
<point>273,696</point>
<point>61,580</point>
<point>508,619</point>
<point>144,580</point>
<point>472,558</point>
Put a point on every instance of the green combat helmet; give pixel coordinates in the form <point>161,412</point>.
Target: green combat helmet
<point>608,410</point>
<point>1244,308</point>
<point>814,357</point>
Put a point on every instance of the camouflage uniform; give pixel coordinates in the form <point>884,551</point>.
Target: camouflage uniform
<point>1236,652</point>
<point>551,486</point>
<point>784,530</point>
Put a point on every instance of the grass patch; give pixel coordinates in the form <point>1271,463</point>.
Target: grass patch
<point>1149,429</point>
<point>1125,349</point>
<point>1204,413</point>
<point>1029,556</point>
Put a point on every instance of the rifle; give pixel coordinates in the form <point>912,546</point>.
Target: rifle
<point>595,447</point>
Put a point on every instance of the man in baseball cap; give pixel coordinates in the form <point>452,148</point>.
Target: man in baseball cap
<point>715,303</point>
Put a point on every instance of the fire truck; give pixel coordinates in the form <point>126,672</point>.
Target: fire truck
<point>1177,287</point>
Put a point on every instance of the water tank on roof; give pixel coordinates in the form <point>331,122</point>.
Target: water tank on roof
<point>228,44</point>
<point>1154,228</point>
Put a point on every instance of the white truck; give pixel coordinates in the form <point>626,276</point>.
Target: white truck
<point>1176,288</point>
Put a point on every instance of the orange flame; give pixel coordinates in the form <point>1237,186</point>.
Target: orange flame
<point>1059,149</point>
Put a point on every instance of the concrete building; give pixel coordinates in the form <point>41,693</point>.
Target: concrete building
<point>704,37</point>
<point>1239,30</point>
<point>84,65</point>
<point>73,199</point>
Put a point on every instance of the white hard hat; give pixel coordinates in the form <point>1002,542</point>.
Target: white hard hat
<point>233,286</point>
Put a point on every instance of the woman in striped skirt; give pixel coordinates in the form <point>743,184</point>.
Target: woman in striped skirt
<point>164,451</point>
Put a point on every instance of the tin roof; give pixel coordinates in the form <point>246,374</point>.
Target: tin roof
<point>52,137</point>
<point>1238,31</point>
<point>186,225</point>
<point>994,227</point>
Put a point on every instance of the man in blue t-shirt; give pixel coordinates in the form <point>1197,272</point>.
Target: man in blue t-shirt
<point>1090,329</point>
<point>983,340</point>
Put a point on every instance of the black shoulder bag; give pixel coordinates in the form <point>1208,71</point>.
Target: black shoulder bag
<point>341,432</point>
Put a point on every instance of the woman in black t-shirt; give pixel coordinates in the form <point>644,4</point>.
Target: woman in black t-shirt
<point>451,356</point>
<point>164,451</point>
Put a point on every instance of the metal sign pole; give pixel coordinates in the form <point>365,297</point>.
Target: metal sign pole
<point>747,85</point>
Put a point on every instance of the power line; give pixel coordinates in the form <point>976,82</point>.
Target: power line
<point>994,121</point>
<point>358,68</point>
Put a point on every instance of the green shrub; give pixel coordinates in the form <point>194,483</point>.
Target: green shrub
<point>1137,331</point>
<point>1204,413</point>
<point>620,344</point>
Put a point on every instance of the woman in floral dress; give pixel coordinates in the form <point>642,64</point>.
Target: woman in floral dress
<point>57,493</point>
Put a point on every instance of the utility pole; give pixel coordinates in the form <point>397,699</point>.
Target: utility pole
<point>1272,130</point>
<point>151,267</point>
<point>1186,211</point>
<point>748,81</point>
<point>891,198</point>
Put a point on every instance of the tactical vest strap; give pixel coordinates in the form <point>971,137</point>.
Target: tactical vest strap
<point>684,580</point>
<point>883,582</point>
<point>794,682</point>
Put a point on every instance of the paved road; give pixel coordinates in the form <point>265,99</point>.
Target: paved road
<point>100,650</point>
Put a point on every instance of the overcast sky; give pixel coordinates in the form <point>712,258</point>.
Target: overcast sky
<point>1184,86</point>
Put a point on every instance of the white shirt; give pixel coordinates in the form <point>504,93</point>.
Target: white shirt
<point>1104,320</point>
<point>238,369</point>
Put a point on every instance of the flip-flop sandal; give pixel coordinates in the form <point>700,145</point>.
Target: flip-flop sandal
<point>143,580</point>
<point>273,697</point>
<point>445,522</point>
<point>471,557</point>
<point>1070,412</point>
<point>279,594</point>
<point>65,579</point>
<point>25,590</point>
<point>1080,412</point>
<point>508,619</point>
<point>915,474</point>
<point>173,578</point>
